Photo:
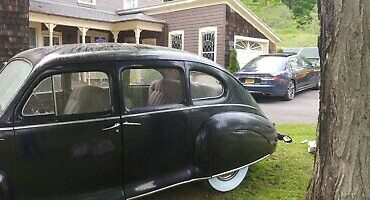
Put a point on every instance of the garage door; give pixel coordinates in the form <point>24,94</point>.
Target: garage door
<point>248,48</point>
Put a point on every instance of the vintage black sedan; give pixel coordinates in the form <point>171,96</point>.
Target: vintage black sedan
<point>118,121</point>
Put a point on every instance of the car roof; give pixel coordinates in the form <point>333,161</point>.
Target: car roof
<point>85,53</point>
<point>279,54</point>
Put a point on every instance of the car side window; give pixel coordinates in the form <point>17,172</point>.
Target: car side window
<point>70,94</point>
<point>152,87</point>
<point>204,86</point>
<point>304,63</point>
<point>293,62</point>
<point>41,101</point>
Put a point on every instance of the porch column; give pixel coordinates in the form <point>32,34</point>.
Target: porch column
<point>137,35</point>
<point>51,30</point>
<point>115,35</point>
<point>83,31</point>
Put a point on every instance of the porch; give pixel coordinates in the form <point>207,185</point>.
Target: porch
<point>50,25</point>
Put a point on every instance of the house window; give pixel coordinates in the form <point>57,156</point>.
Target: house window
<point>32,38</point>
<point>176,40</point>
<point>208,42</point>
<point>57,39</point>
<point>130,4</point>
<point>90,2</point>
<point>93,36</point>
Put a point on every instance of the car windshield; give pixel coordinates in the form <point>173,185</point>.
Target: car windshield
<point>265,64</point>
<point>12,78</point>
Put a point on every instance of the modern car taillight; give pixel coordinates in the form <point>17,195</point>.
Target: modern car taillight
<point>270,79</point>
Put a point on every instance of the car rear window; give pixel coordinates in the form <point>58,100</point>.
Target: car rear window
<point>265,64</point>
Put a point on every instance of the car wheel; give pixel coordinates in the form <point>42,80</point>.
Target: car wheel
<point>290,92</point>
<point>317,87</point>
<point>229,181</point>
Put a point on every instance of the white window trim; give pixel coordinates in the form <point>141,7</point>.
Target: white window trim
<point>136,5</point>
<point>55,34</point>
<point>263,42</point>
<point>177,32</point>
<point>200,44</point>
<point>82,2</point>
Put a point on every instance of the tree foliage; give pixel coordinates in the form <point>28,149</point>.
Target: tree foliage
<point>301,9</point>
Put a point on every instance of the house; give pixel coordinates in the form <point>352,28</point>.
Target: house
<point>210,28</point>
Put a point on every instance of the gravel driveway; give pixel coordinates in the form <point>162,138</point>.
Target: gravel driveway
<point>304,108</point>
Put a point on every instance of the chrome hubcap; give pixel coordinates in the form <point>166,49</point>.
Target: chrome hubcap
<point>228,176</point>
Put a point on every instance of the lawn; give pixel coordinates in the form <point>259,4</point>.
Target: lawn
<point>284,175</point>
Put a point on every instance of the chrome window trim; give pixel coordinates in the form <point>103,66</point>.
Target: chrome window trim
<point>7,129</point>
<point>66,123</point>
<point>188,108</point>
<point>196,179</point>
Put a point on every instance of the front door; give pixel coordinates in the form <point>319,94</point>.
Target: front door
<point>155,126</point>
<point>69,139</point>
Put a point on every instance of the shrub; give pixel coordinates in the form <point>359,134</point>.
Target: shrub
<point>233,63</point>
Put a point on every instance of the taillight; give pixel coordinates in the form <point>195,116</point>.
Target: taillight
<point>267,80</point>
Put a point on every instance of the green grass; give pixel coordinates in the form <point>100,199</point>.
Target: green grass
<point>284,175</point>
<point>296,38</point>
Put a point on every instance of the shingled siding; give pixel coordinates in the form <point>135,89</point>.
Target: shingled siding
<point>190,21</point>
<point>237,25</point>
<point>104,5</point>
<point>13,28</point>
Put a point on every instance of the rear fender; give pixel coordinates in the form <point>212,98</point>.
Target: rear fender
<point>231,140</point>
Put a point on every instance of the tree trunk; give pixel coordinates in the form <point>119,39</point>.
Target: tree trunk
<point>342,162</point>
<point>13,28</point>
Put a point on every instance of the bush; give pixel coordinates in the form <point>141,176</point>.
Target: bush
<point>233,63</point>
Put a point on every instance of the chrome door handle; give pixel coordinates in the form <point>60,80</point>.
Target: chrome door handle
<point>131,124</point>
<point>116,125</point>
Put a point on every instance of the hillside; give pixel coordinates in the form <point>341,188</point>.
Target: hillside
<point>298,26</point>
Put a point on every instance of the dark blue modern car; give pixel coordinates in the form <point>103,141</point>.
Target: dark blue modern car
<point>281,75</point>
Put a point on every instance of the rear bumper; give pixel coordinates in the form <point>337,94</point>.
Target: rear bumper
<point>270,90</point>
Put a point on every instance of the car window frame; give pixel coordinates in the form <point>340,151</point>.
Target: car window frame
<point>64,69</point>
<point>206,98</point>
<point>148,64</point>
<point>209,70</point>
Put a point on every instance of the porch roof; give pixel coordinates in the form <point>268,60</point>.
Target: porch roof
<point>43,7</point>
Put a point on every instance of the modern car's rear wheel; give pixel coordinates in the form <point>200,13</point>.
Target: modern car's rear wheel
<point>318,85</point>
<point>229,181</point>
<point>290,92</point>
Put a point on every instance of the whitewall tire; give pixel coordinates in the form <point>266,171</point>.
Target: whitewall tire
<point>228,182</point>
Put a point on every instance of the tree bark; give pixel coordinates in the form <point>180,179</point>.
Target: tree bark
<point>13,28</point>
<point>342,161</point>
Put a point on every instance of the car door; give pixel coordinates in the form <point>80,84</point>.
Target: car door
<point>68,136</point>
<point>155,126</point>
<point>312,73</point>
<point>299,73</point>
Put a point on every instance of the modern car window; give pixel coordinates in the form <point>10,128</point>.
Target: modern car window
<point>304,63</point>
<point>12,77</point>
<point>204,86</point>
<point>70,94</point>
<point>152,87</point>
<point>265,64</point>
<point>293,62</point>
